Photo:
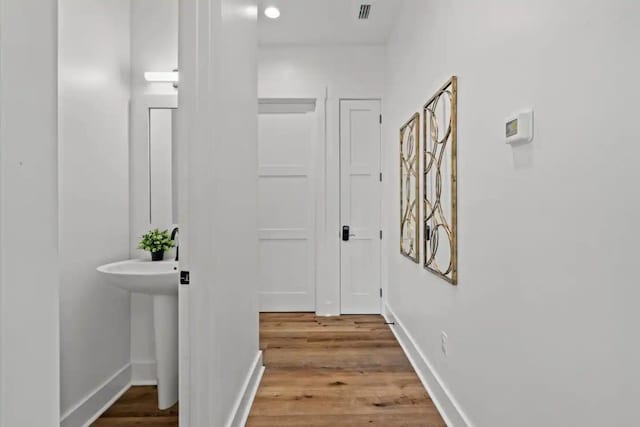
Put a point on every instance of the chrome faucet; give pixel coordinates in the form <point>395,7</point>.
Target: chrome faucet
<point>173,237</point>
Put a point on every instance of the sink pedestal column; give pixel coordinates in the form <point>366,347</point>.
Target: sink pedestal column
<point>165,323</point>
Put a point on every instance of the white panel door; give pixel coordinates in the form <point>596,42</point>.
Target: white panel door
<point>286,211</point>
<point>360,206</point>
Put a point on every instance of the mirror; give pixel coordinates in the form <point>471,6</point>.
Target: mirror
<point>154,174</point>
<point>162,168</point>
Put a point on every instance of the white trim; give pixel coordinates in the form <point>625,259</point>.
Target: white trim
<point>286,105</point>
<point>143,372</point>
<point>441,396</point>
<point>99,400</point>
<point>244,400</point>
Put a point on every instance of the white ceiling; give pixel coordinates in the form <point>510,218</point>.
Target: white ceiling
<point>326,22</point>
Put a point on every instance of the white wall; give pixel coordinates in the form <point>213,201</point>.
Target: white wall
<point>154,43</point>
<point>302,71</point>
<point>542,328</point>
<point>29,342</point>
<point>327,73</point>
<point>154,47</point>
<point>94,192</point>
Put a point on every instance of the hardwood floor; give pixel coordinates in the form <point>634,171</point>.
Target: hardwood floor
<point>320,372</point>
<point>337,371</point>
<point>138,407</point>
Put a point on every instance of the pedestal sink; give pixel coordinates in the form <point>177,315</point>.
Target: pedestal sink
<point>160,279</point>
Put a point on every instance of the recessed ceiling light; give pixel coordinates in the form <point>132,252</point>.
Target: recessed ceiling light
<point>272,12</point>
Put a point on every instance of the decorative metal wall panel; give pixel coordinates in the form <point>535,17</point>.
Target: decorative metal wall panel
<point>440,182</point>
<point>409,188</point>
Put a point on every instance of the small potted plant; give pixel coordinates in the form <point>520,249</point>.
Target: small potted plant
<point>156,242</point>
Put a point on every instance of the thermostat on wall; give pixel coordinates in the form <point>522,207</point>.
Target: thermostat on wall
<point>519,127</point>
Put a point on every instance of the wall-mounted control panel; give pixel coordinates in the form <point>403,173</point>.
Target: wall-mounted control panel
<point>519,127</point>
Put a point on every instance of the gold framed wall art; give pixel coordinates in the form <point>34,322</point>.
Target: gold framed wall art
<point>440,186</point>
<point>410,189</point>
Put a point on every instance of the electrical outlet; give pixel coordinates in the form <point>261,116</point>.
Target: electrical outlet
<point>444,338</point>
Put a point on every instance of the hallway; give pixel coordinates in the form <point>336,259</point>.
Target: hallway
<point>336,371</point>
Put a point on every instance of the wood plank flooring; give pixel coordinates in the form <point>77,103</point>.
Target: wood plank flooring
<point>138,407</point>
<point>336,371</point>
<point>320,372</point>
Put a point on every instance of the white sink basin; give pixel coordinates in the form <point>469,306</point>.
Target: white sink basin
<point>146,277</point>
<point>160,279</point>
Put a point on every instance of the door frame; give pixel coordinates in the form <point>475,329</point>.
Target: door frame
<point>380,197</point>
<point>187,96</point>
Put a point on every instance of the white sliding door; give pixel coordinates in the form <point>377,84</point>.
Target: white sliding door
<point>360,206</point>
<point>286,205</point>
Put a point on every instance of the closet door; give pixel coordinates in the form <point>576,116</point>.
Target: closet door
<point>360,207</point>
<point>286,219</point>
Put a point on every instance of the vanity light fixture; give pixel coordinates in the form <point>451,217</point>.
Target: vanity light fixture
<point>272,12</point>
<point>162,77</point>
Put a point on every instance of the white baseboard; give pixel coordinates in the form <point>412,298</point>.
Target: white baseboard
<point>440,394</point>
<point>144,372</point>
<point>99,400</point>
<point>244,401</point>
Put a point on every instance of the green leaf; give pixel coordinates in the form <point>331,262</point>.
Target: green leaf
<point>156,240</point>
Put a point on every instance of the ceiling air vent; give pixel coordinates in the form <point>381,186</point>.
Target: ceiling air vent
<point>365,9</point>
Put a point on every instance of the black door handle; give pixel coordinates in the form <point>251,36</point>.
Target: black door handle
<point>345,233</point>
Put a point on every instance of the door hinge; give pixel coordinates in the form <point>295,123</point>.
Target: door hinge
<point>380,234</point>
<point>380,118</point>
<point>380,176</point>
<point>380,292</point>
<point>184,277</point>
